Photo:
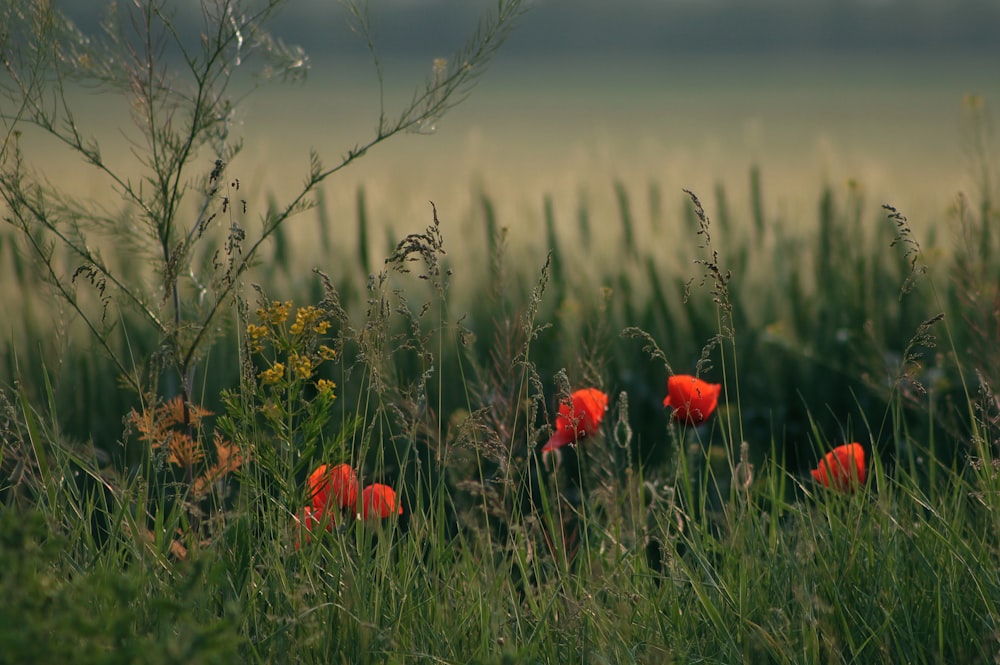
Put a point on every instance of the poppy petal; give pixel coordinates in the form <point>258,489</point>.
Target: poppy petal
<point>560,438</point>
<point>379,501</point>
<point>843,468</point>
<point>692,399</point>
<point>579,417</point>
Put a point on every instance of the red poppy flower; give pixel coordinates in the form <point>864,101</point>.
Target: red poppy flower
<point>311,520</point>
<point>692,399</point>
<point>338,480</point>
<point>843,468</point>
<point>578,419</point>
<point>378,500</point>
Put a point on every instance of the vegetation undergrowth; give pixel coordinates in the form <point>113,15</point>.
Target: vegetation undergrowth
<point>783,451</point>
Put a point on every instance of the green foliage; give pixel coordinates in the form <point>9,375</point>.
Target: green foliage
<point>55,610</point>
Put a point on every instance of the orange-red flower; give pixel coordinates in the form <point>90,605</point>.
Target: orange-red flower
<point>692,399</point>
<point>378,500</point>
<point>578,419</point>
<point>311,520</point>
<point>339,481</point>
<point>843,468</point>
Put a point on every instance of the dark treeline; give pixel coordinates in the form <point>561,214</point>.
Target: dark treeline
<point>433,27</point>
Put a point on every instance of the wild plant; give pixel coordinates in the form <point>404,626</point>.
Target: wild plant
<point>158,280</point>
<point>183,93</point>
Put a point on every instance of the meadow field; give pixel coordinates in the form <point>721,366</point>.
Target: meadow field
<point>247,419</point>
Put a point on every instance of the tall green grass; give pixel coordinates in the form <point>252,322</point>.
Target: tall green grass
<point>807,308</point>
<point>639,548</point>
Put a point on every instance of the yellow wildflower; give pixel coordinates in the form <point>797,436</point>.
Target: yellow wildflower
<point>326,387</point>
<point>302,365</point>
<point>305,317</point>
<point>326,353</point>
<point>256,332</point>
<point>273,374</point>
<point>276,313</point>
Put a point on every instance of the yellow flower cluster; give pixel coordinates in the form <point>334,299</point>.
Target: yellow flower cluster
<point>256,332</point>
<point>301,364</point>
<point>276,313</point>
<point>273,374</point>
<point>256,335</point>
<point>309,317</point>
<point>295,345</point>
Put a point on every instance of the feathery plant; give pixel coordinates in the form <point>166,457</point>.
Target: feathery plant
<point>182,90</point>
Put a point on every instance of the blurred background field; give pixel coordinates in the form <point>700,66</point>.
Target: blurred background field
<point>588,156</point>
<point>568,126</point>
